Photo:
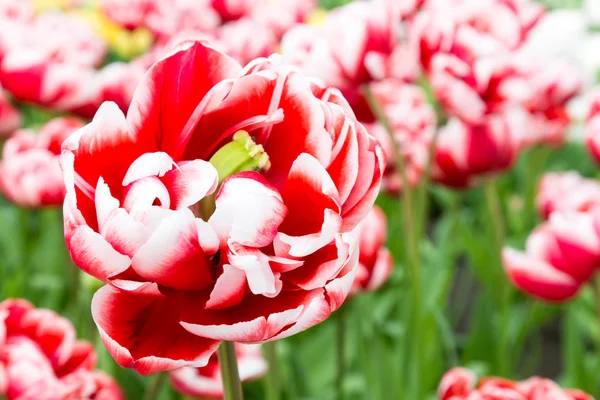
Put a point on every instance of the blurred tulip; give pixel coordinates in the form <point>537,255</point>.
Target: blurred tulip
<point>561,255</point>
<point>375,263</point>
<point>565,192</point>
<point>10,117</point>
<point>207,382</point>
<point>273,254</point>
<point>277,15</point>
<point>592,125</point>
<point>459,384</point>
<point>470,29</point>
<point>42,359</point>
<point>164,18</point>
<point>19,10</point>
<point>245,39</point>
<point>30,175</point>
<point>49,61</point>
<point>351,48</point>
<point>465,151</point>
<point>414,123</point>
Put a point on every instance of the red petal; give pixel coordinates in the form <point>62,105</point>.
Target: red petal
<point>172,89</point>
<point>141,330</point>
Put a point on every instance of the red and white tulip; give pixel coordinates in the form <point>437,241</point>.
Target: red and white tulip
<point>276,256</point>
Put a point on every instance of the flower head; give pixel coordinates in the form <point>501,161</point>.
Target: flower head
<point>197,251</point>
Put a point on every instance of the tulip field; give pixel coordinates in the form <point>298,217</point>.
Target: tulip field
<point>299,199</point>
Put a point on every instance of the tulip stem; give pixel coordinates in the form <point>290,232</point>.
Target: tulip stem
<point>340,319</point>
<point>156,386</point>
<point>232,386</point>
<point>273,377</point>
<point>412,234</point>
<point>499,234</point>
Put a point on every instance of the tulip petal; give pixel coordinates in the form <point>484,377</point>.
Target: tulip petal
<point>172,255</point>
<point>168,94</point>
<point>190,183</point>
<point>229,289</point>
<point>94,255</point>
<point>248,211</point>
<point>309,192</point>
<point>141,330</point>
<point>148,164</point>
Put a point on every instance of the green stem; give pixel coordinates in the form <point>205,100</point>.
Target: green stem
<point>425,181</point>
<point>499,235</point>
<point>157,384</point>
<point>232,387</point>
<point>412,235</point>
<point>340,343</point>
<point>273,378</point>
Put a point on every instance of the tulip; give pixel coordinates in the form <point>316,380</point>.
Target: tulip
<point>465,151</point>
<point>353,47</point>
<point>41,358</point>
<point>164,18</point>
<point>471,29</point>
<point>220,208</point>
<point>207,382</point>
<point>459,384</point>
<point>566,191</point>
<point>375,263</point>
<point>592,125</point>
<point>245,39</point>
<point>456,383</point>
<point>561,256</point>
<point>10,117</point>
<point>30,174</point>
<point>49,61</point>
<point>413,121</point>
<point>276,15</point>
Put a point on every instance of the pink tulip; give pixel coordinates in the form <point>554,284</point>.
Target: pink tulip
<point>41,358</point>
<point>30,175</point>
<point>375,263</point>
<point>565,192</point>
<point>207,382</point>
<point>275,257</point>
<point>459,384</point>
<point>10,117</point>
<point>352,48</point>
<point>414,123</point>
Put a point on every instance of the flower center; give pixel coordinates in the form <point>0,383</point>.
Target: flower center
<point>239,155</point>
